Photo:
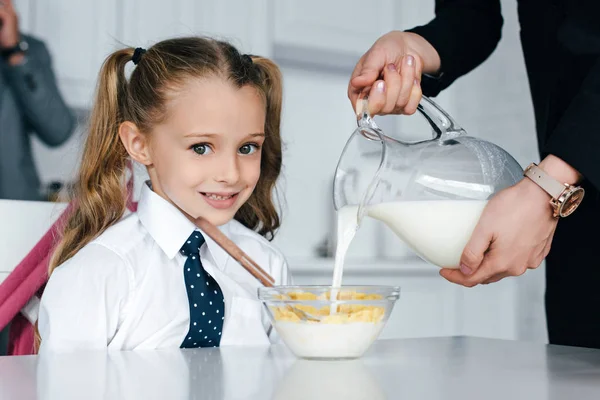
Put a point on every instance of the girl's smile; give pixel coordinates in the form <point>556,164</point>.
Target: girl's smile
<point>220,200</point>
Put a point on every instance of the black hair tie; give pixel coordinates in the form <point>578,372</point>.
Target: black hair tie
<point>247,59</point>
<point>137,55</point>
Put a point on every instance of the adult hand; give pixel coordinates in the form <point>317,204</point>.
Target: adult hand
<point>391,71</point>
<point>9,25</point>
<point>514,232</point>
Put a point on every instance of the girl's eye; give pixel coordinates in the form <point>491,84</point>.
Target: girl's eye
<point>201,149</point>
<point>249,148</point>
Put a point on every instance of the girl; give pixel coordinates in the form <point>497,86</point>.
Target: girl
<point>205,122</point>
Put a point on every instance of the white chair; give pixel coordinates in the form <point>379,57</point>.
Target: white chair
<point>22,225</point>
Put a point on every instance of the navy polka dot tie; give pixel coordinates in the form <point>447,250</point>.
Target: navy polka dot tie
<point>207,305</point>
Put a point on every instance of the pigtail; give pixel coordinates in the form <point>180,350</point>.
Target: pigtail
<point>99,192</point>
<point>259,212</point>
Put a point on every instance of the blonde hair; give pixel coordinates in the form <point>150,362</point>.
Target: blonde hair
<point>100,192</point>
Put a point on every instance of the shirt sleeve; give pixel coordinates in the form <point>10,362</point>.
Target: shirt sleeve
<point>82,303</point>
<point>286,275</point>
<point>282,277</point>
<point>464,33</point>
<point>576,139</point>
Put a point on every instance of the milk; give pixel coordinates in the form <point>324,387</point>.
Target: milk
<point>437,230</point>
<point>347,225</point>
<point>314,340</point>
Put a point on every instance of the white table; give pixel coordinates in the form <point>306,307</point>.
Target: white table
<point>434,368</point>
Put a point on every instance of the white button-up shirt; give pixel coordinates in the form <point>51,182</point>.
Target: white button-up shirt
<point>126,290</point>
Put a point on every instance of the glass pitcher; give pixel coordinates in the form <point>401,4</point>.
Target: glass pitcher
<point>430,193</point>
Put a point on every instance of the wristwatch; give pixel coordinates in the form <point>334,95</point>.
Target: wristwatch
<point>565,198</point>
<point>20,47</point>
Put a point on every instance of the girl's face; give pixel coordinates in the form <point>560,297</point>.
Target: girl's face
<point>205,157</point>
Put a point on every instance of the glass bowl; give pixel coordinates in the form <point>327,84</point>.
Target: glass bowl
<point>316,325</point>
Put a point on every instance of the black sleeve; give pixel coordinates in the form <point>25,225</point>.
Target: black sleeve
<point>576,139</point>
<point>464,33</point>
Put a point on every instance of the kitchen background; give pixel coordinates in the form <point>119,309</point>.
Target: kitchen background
<point>317,44</point>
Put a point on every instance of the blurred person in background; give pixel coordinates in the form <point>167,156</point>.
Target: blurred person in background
<point>30,103</point>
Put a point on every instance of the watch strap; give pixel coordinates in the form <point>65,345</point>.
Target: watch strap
<point>553,187</point>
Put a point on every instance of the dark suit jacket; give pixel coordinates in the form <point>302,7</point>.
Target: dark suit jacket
<point>561,45</point>
<point>29,104</point>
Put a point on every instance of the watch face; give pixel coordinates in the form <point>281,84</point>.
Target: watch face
<point>571,202</point>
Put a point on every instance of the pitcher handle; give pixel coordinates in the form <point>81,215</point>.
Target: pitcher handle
<point>442,124</point>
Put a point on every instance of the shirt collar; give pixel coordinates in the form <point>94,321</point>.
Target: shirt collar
<point>170,228</point>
